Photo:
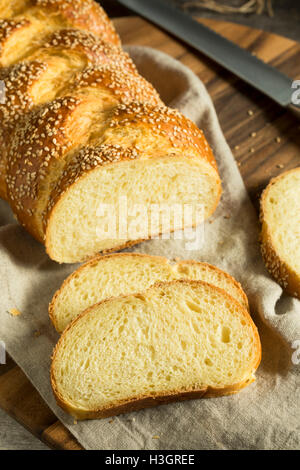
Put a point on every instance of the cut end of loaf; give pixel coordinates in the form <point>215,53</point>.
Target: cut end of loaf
<point>88,211</point>
<point>177,340</point>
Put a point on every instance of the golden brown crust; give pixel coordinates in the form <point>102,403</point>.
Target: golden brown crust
<point>21,78</point>
<point>126,86</point>
<point>42,137</point>
<point>142,402</point>
<point>88,44</point>
<point>83,14</point>
<point>18,81</point>
<point>9,9</point>
<point>8,29</point>
<point>284,274</point>
<point>150,401</point>
<point>165,122</point>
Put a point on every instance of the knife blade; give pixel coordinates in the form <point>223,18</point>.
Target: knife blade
<point>241,62</point>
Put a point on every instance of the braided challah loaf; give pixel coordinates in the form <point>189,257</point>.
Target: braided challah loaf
<point>80,128</point>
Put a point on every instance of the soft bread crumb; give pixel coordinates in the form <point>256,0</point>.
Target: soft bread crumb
<point>178,339</point>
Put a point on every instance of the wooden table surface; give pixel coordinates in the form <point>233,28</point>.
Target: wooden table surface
<point>265,142</point>
<point>285,21</point>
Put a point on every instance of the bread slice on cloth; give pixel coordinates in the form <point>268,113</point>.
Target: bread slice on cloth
<point>127,273</point>
<point>176,341</point>
<point>280,236</point>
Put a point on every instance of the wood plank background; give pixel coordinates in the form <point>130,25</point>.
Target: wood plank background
<point>265,140</point>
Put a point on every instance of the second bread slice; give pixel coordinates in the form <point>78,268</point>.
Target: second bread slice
<point>127,273</point>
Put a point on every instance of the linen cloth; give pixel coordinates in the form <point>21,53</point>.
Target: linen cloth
<point>265,415</point>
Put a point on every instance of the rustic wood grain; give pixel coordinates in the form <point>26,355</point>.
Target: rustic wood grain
<point>265,142</point>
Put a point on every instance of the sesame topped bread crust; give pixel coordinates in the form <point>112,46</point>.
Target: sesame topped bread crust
<point>274,256</point>
<point>165,122</point>
<point>40,139</point>
<point>97,50</point>
<point>127,87</point>
<point>21,34</point>
<point>83,14</point>
<point>76,102</point>
<point>18,81</point>
<point>21,79</point>
<point>8,29</point>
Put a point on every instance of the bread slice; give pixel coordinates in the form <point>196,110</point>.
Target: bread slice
<point>127,273</point>
<point>176,341</point>
<point>280,235</point>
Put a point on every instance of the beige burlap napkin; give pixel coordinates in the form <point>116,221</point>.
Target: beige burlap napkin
<point>266,415</point>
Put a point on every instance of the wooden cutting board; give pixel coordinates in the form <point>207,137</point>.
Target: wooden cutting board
<point>264,138</point>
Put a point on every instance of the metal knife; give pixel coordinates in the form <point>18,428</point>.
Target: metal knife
<point>242,63</point>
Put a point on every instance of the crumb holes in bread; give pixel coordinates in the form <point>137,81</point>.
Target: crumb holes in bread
<point>193,306</point>
<point>183,270</point>
<point>225,334</point>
